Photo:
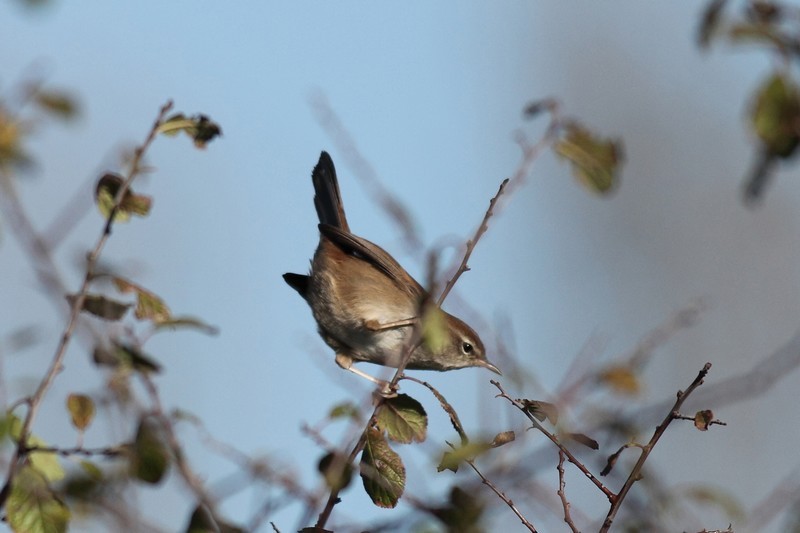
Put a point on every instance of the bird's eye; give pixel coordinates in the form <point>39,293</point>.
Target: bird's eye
<point>467,348</point>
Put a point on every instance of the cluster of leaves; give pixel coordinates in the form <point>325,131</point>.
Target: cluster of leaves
<point>38,489</point>
<point>774,114</point>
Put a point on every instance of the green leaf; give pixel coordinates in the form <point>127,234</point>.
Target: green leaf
<point>32,507</point>
<point>57,103</point>
<point>102,307</point>
<point>199,127</point>
<point>125,355</point>
<point>345,410</point>
<point>150,458</point>
<point>462,513</point>
<point>403,419</point>
<point>81,409</point>
<point>382,470</point>
<point>336,470</point>
<point>595,161</point>
<point>468,452</point>
<point>201,521</point>
<point>149,306</point>
<point>9,423</point>
<point>776,113</point>
<point>187,322</point>
<point>106,191</point>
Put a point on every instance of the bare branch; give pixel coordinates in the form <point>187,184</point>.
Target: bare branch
<point>636,472</point>
<point>561,494</point>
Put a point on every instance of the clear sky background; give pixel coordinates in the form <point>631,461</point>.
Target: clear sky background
<point>432,94</point>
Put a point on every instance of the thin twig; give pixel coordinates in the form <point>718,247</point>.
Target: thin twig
<point>463,267</point>
<point>502,496</point>
<point>530,152</point>
<point>192,480</point>
<point>562,494</point>
<point>114,451</point>
<point>446,406</point>
<point>58,358</point>
<point>636,472</point>
<point>572,459</point>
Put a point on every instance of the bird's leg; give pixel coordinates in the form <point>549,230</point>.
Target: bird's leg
<point>346,362</point>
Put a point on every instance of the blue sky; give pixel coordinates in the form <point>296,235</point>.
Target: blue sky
<point>432,95</point>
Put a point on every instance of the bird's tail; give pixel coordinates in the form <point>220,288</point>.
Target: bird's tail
<point>327,198</point>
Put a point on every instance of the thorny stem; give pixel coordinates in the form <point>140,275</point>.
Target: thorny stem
<point>56,363</point>
<point>636,472</point>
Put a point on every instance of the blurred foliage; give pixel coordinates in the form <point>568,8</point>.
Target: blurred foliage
<point>774,117</point>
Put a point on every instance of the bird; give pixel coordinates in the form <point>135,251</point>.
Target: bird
<point>366,305</point>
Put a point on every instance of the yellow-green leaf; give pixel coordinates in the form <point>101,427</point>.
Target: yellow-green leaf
<point>92,470</point>
<point>149,306</point>
<point>46,463</point>
<point>32,507</point>
<point>382,470</point>
<point>776,113</point>
<point>595,160</point>
<point>622,379</point>
<point>106,191</point>
<point>345,410</point>
<point>199,127</point>
<point>434,329</point>
<point>453,458</point>
<point>81,409</point>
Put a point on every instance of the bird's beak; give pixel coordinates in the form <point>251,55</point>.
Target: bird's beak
<point>490,366</point>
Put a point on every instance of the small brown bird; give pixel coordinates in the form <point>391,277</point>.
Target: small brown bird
<point>365,303</point>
